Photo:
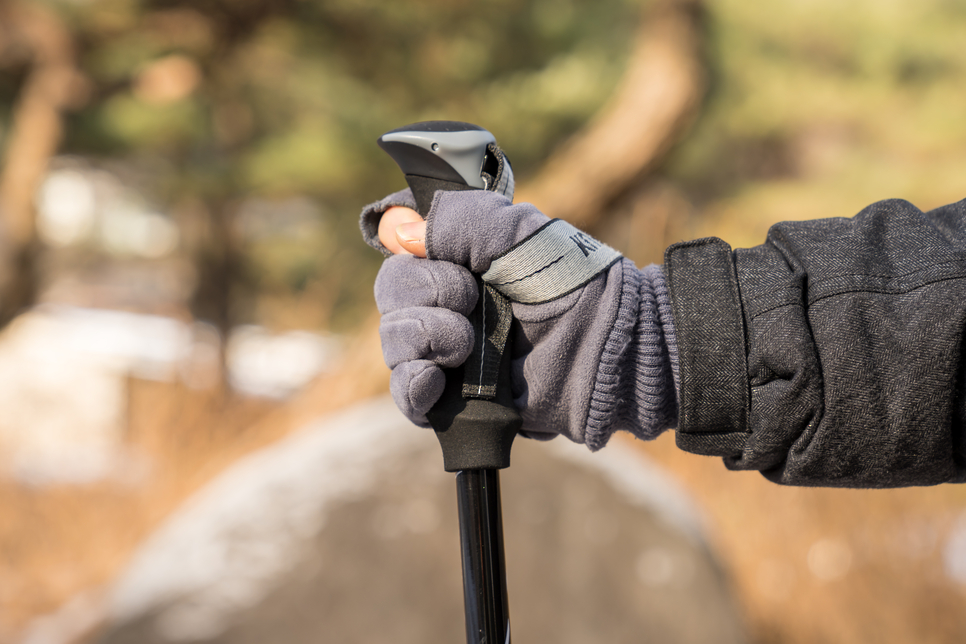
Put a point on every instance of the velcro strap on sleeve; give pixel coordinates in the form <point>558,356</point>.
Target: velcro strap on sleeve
<point>553,261</point>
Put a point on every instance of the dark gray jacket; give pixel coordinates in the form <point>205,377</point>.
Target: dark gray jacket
<point>831,355</point>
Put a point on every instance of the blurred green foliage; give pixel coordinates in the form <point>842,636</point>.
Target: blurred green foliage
<point>816,108</point>
<point>275,99</point>
<point>819,108</point>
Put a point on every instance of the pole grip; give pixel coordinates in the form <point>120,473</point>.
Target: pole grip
<point>475,428</point>
<point>475,419</point>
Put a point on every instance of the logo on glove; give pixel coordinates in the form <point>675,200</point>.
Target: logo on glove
<point>555,260</point>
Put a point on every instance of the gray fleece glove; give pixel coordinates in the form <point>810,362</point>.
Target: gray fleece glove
<point>593,347</point>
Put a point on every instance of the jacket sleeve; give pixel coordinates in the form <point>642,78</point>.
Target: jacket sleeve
<point>831,355</point>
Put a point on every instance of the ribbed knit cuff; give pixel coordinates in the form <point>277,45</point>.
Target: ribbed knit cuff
<point>636,385</point>
<point>662,296</point>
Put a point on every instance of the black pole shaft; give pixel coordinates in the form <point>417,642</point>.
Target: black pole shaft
<point>484,569</point>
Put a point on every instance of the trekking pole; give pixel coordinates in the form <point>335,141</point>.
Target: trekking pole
<point>475,419</point>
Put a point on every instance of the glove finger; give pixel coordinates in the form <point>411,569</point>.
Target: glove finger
<point>405,281</point>
<point>473,227</point>
<point>423,333</point>
<point>415,387</point>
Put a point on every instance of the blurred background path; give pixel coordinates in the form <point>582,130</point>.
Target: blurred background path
<point>347,531</point>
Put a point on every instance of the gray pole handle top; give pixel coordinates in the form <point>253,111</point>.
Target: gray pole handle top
<point>450,151</point>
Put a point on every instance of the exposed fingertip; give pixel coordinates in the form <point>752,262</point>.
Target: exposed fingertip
<point>411,237</point>
<point>391,219</point>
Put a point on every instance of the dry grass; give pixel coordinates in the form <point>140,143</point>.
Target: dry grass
<point>56,542</point>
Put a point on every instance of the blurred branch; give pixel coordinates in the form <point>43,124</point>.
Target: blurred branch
<point>52,86</point>
<point>658,99</point>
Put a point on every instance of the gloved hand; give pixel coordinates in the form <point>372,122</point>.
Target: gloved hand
<point>592,344</point>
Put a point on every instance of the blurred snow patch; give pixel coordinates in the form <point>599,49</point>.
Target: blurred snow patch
<point>66,206</point>
<point>954,552</point>
<point>276,365</point>
<point>127,228</point>
<point>63,385</point>
<point>62,391</point>
<point>77,204</point>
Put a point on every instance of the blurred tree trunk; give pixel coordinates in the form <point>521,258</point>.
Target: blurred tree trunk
<point>224,280</point>
<point>223,277</point>
<point>658,99</point>
<point>34,35</point>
